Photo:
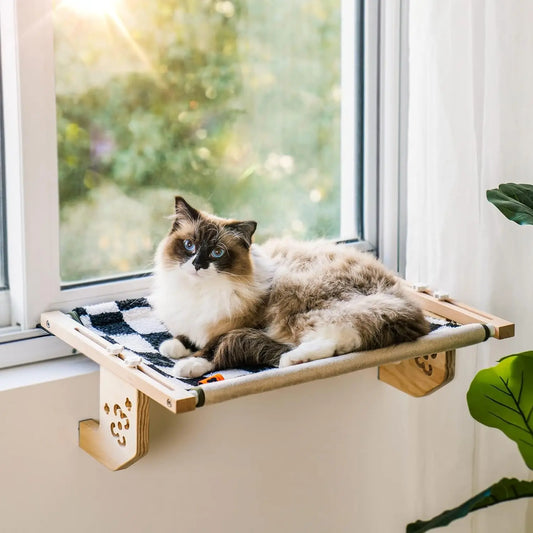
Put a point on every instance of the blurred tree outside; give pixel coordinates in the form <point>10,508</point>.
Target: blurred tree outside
<point>233,104</point>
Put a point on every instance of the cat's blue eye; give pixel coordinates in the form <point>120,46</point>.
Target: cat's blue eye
<point>189,246</point>
<point>217,253</point>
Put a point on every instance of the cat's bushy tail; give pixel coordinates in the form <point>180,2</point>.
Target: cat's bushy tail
<point>244,348</point>
<point>387,318</point>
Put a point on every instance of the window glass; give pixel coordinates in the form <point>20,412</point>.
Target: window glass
<point>233,104</point>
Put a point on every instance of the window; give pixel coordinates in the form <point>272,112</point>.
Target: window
<point>235,105</point>
<point>262,110</point>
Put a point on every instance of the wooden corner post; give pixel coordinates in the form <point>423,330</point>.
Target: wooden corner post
<point>121,436</point>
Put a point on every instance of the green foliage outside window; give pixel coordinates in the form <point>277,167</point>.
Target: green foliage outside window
<point>235,105</point>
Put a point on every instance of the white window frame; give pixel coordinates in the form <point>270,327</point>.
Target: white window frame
<point>391,136</point>
<point>26,34</point>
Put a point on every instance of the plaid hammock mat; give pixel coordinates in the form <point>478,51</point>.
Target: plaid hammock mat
<point>133,324</point>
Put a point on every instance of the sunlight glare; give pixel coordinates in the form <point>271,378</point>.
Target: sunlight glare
<point>91,7</point>
<point>108,9</point>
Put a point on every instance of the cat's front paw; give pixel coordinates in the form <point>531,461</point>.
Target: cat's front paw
<point>174,349</point>
<point>192,367</point>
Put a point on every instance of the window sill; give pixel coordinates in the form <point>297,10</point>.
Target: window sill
<point>21,348</point>
<point>45,372</point>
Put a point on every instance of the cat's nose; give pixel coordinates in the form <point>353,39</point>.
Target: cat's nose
<point>198,263</point>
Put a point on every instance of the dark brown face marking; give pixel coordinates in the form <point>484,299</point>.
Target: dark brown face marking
<point>209,241</point>
<point>208,247</point>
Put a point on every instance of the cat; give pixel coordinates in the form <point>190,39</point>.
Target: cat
<point>230,304</point>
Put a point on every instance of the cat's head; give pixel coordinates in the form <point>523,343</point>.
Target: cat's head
<point>203,244</point>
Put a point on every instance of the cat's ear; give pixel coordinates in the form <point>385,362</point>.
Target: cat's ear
<point>244,230</point>
<point>183,212</point>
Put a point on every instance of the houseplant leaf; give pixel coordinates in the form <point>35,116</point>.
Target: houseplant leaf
<point>514,200</point>
<point>504,490</point>
<point>502,397</point>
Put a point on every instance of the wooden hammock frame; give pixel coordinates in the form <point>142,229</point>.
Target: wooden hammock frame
<point>120,437</point>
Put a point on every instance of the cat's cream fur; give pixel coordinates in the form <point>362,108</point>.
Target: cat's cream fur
<point>282,303</point>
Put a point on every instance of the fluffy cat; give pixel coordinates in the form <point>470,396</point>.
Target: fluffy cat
<point>230,303</point>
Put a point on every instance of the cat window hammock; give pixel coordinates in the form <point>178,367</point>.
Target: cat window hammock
<point>123,338</point>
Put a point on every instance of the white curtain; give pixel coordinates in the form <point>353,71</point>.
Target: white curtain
<point>470,128</point>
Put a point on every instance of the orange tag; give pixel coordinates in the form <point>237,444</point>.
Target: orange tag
<point>212,379</point>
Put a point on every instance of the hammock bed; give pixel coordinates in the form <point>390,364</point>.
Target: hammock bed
<point>123,337</point>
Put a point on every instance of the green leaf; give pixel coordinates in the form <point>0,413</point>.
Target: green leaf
<point>514,200</point>
<point>502,397</point>
<point>504,490</point>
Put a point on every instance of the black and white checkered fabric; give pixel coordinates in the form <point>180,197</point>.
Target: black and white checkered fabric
<point>133,324</point>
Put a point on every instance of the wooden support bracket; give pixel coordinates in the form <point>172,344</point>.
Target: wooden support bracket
<point>121,436</point>
<point>422,375</point>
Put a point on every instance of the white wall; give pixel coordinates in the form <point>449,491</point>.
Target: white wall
<point>324,456</point>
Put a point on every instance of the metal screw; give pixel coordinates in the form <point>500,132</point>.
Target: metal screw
<point>47,323</point>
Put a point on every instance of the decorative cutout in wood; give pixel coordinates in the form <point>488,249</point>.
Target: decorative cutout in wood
<point>121,436</point>
<point>120,424</point>
<point>424,363</point>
